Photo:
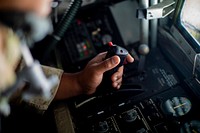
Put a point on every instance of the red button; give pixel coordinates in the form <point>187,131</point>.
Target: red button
<point>110,44</point>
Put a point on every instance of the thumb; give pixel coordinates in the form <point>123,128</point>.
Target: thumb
<point>108,64</point>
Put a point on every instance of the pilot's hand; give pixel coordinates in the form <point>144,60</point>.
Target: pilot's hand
<point>92,74</point>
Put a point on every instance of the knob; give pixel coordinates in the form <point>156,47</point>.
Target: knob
<point>101,127</point>
<point>143,49</point>
<point>130,115</point>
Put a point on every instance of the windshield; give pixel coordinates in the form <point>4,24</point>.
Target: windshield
<point>190,18</point>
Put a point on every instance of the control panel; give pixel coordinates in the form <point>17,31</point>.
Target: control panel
<point>148,116</point>
<point>87,36</point>
<point>154,101</point>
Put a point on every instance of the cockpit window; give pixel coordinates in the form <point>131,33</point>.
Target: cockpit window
<point>190,18</point>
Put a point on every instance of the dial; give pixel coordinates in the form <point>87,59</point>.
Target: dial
<point>130,115</point>
<point>191,127</point>
<point>177,106</point>
<point>101,127</point>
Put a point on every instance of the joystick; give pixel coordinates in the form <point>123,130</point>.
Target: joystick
<point>116,50</point>
<point>106,86</point>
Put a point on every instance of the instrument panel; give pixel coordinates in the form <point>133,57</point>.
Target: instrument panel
<point>154,101</point>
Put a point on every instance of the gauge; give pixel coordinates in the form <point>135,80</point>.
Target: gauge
<point>101,127</point>
<point>130,115</point>
<point>191,127</point>
<point>177,106</point>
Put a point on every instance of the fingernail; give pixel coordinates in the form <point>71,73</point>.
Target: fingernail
<point>115,85</point>
<point>114,60</point>
<point>118,86</point>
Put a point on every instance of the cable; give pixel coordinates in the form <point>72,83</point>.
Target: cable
<point>62,26</point>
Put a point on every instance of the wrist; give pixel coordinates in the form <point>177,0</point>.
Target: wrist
<point>69,86</point>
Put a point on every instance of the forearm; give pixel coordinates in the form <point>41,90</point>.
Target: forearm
<point>69,87</point>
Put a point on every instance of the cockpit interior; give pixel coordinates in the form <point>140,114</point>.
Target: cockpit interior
<point>160,91</point>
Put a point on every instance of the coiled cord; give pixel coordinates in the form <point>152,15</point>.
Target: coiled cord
<point>62,26</point>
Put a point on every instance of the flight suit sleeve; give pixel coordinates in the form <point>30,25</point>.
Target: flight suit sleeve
<point>11,62</point>
<point>39,102</point>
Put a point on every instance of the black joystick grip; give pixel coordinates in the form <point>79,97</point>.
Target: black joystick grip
<point>116,50</point>
<point>106,86</point>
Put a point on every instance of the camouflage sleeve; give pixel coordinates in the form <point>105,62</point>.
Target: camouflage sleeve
<point>11,63</point>
<point>39,102</point>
